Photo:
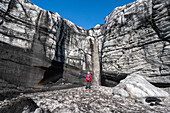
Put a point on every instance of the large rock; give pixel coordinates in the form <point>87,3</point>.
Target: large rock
<point>22,105</point>
<point>135,86</point>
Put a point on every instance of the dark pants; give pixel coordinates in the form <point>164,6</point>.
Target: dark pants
<point>88,84</point>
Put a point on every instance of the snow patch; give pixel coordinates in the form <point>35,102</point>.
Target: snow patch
<point>136,86</point>
<point>90,37</point>
<point>97,26</point>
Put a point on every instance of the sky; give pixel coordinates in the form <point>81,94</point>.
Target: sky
<point>84,13</point>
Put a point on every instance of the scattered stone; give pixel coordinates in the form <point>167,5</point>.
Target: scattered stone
<point>97,99</point>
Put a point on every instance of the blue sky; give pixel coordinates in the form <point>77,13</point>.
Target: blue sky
<point>84,13</point>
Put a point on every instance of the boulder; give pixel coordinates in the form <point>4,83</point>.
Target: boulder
<point>22,105</point>
<point>136,86</point>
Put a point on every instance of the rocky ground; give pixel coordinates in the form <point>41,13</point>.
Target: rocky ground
<point>8,90</point>
<point>94,100</point>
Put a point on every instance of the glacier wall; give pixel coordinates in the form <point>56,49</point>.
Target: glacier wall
<point>137,40</point>
<point>38,46</point>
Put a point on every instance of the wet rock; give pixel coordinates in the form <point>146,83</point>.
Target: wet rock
<point>153,101</point>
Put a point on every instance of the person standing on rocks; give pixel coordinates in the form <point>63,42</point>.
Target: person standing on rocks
<point>88,80</point>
